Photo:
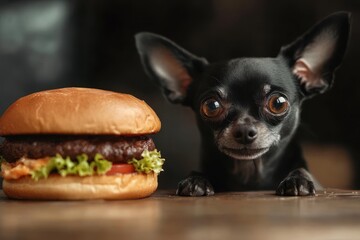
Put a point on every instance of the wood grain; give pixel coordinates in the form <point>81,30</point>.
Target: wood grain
<point>332,214</point>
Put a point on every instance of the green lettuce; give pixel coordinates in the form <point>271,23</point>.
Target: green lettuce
<point>151,161</point>
<point>66,166</point>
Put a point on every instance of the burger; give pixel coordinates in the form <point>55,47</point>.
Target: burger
<point>79,143</point>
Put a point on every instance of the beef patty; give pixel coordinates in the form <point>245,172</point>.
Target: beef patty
<point>113,148</point>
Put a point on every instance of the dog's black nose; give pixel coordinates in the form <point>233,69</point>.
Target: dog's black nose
<point>245,133</point>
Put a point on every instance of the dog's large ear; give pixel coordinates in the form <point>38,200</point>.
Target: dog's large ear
<point>171,66</point>
<point>315,55</point>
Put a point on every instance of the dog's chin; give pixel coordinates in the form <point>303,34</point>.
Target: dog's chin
<point>244,153</point>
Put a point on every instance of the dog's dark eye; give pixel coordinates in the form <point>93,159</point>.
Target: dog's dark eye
<point>211,108</point>
<point>277,104</point>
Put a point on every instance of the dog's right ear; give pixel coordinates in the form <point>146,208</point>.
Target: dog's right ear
<point>315,55</point>
<point>172,67</point>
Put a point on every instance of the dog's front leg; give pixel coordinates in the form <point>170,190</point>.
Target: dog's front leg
<point>195,185</point>
<point>298,183</point>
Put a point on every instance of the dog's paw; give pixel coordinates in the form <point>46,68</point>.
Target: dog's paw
<point>296,186</point>
<point>195,186</point>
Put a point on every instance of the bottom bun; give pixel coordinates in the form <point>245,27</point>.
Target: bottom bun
<point>55,187</point>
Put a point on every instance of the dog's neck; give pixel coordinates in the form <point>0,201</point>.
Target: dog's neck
<point>249,172</point>
<point>246,174</point>
<point>236,173</point>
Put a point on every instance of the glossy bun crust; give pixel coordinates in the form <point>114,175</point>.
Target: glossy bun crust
<point>79,111</point>
<point>55,187</point>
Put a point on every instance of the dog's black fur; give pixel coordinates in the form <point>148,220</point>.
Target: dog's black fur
<point>247,109</point>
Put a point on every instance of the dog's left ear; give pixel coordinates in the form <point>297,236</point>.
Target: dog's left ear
<point>172,67</point>
<point>314,56</point>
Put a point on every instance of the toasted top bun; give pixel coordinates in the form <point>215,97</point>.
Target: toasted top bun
<point>79,111</point>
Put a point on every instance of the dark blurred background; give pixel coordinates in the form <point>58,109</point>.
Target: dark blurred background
<point>61,43</point>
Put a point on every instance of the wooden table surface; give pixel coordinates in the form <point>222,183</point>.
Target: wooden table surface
<point>332,214</point>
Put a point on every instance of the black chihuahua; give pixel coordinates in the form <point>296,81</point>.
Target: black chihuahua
<point>248,109</point>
